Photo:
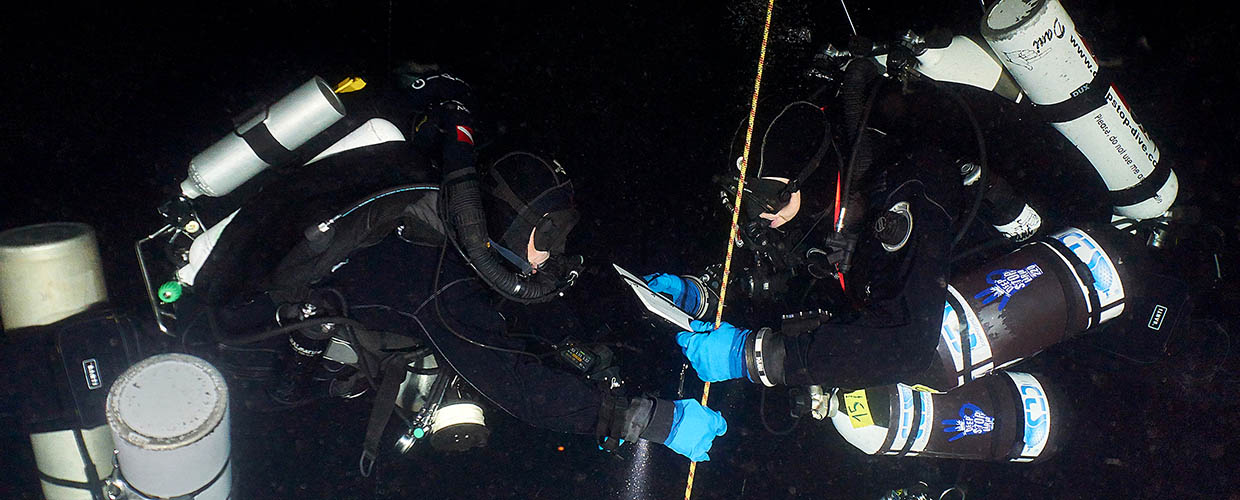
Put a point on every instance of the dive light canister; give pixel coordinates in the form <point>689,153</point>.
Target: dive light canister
<point>265,140</point>
<point>48,274</point>
<point>1038,44</point>
<point>170,420</point>
<point>1006,416</point>
<point>1021,303</point>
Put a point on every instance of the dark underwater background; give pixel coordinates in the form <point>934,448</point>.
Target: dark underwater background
<point>107,102</point>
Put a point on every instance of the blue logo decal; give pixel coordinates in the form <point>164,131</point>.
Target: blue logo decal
<point>1037,419</point>
<point>1089,253</point>
<point>973,421</point>
<point>1006,282</point>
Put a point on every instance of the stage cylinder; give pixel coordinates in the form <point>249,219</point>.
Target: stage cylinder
<point>169,419</point>
<point>1006,416</point>
<point>1021,303</point>
<point>48,273</point>
<point>1038,44</point>
<point>265,140</point>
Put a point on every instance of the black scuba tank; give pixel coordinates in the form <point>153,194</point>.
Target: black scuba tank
<point>1006,416</point>
<point>1023,302</point>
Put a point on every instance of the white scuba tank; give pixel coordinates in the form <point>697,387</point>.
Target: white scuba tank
<point>170,421</point>
<point>49,272</point>
<point>1038,43</point>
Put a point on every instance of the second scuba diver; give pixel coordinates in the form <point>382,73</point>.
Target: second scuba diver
<point>420,261</point>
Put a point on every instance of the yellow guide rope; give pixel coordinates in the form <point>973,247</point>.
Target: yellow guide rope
<point>736,210</point>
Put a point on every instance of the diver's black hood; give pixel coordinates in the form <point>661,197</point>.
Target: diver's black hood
<point>525,192</point>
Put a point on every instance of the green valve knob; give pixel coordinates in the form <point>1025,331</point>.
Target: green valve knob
<point>419,432</point>
<point>169,292</point>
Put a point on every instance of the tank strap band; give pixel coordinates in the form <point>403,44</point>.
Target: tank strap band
<point>66,483</point>
<point>266,147</point>
<point>915,426</point>
<point>1090,97</point>
<point>1143,189</point>
<point>385,402</point>
<point>1082,271</point>
<point>966,341</point>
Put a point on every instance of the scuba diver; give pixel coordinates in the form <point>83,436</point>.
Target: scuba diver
<point>901,216</point>
<point>428,286</point>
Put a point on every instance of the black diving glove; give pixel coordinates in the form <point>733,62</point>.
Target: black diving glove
<point>428,86</point>
<point>684,426</point>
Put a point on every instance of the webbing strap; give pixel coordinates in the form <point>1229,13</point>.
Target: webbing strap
<point>265,145</point>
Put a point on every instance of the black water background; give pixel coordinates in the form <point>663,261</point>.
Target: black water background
<point>107,103</point>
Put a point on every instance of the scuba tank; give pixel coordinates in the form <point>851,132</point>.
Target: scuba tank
<point>263,140</point>
<point>1021,303</point>
<point>169,419</point>
<point>1002,206</point>
<point>52,297</point>
<point>1038,44</point>
<point>1006,416</point>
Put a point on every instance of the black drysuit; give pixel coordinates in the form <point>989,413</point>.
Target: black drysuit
<point>899,290</point>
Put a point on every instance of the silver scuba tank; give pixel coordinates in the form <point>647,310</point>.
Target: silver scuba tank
<point>265,140</point>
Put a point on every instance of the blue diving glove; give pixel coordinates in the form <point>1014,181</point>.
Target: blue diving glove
<point>686,295</point>
<point>694,428</point>
<point>717,354</point>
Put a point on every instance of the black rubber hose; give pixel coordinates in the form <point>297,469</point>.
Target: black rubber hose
<point>983,177</point>
<point>241,340</point>
<point>465,215</point>
<point>858,98</point>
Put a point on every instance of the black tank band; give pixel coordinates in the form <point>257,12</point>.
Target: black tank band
<point>966,342</point>
<point>1083,272</point>
<point>1143,189</point>
<point>265,145</point>
<point>916,422</point>
<point>1087,98</point>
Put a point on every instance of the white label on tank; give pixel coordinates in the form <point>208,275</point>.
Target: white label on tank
<point>1113,141</point>
<point>950,335</point>
<point>1037,414</point>
<point>1023,226</point>
<point>1106,279</point>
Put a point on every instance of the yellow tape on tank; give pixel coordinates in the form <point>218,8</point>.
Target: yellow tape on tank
<point>858,409</point>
